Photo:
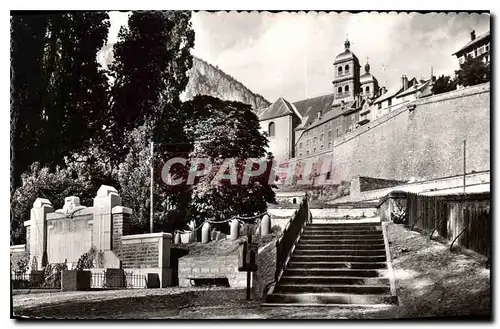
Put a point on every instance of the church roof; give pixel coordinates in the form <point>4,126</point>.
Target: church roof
<point>310,107</point>
<point>346,55</point>
<point>367,77</point>
<point>279,108</point>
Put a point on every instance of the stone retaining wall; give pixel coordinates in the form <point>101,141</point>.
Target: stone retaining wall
<point>202,267</point>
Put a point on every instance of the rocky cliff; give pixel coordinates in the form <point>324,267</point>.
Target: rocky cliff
<point>206,79</point>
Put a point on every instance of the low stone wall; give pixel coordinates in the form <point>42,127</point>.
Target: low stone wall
<point>361,184</point>
<point>147,254</point>
<point>17,252</point>
<point>202,267</point>
<point>266,265</point>
<point>342,212</point>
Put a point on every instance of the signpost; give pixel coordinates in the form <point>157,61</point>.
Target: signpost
<point>247,260</point>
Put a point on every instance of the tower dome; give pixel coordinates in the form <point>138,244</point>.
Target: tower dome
<point>346,55</point>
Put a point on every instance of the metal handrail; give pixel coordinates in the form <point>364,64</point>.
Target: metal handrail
<point>283,251</point>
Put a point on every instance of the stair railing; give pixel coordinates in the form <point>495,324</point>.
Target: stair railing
<point>291,234</point>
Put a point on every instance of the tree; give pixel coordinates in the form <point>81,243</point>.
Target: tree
<point>59,89</point>
<point>473,71</point>
<point>443,84</point>
<point>152,58</point>
<point>241,140</point>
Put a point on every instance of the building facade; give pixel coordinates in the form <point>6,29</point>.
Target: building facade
<point>478,46</point>
<point>308,128</point>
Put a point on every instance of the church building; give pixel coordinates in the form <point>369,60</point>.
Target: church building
<point>308,128</point>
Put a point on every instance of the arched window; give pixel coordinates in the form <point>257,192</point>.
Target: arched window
<point>340,69</point>
<point>346,88</point>
<point>346,68</point>
<point>271,129</point>
<point>339,90</point>
<point>367,89</point>
<point>294,201</point>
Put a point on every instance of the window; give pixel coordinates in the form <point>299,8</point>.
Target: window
<point>300,154</point>
<point>308,142</point>
<point>346,68</point>
<point>339,90</point>
<point>329,144</point>
<point>346,88</point>
<point>314,150</point>
<point>315,141</point>
<point>367,89</point>
<point>340,69</point>
<point>300,145</point>
<point>307,152</point>
<point>389,102</point>
<point>321,146</point>
<point>379,106</point>
<point>322,137</point>
<point>338,132</point>
<point>328,175</point>
<point>487,47</point>
<point>271,129</point>
<point>329,134</point>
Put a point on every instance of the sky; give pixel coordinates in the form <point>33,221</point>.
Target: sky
<point>291,55</point>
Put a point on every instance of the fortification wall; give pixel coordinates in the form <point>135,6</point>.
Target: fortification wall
<point>421,143</point>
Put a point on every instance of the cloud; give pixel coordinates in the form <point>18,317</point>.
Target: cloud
<point>291,54</point>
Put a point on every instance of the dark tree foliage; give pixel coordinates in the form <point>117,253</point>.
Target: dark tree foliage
<point>443,84</point>
<point>59,90</point>
<point>152,58</point>
<point>473,71</point>
<point>221,130</point>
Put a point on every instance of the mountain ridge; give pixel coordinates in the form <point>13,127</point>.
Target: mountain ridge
<point>206,79</point>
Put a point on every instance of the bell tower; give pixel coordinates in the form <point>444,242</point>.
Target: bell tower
<point>346,84</point>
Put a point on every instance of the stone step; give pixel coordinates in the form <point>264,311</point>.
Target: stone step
<point>340,225</point>
<point>341,232</point>
<point>358,241</point>
<point>332,265</point>
<point>336,246</point>
<point>337,258</point>
<point>322,288</point>
<point>329,298</point>
<point>327,236</point>
<point>342,272</point>
<point>341,252</point>
<point>296,278</point>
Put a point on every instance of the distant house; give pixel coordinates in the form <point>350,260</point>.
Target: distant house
<point>400,95</point>
<point>477,47</point>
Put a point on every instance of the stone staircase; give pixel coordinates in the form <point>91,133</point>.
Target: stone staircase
<point>337,263</point>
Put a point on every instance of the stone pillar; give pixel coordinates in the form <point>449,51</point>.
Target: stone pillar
<point>205,233</point>
<point>234,230</point>
<point>265,225</point>
<point>38,230</point>
<point>121,225</point>
<point>107,198</point>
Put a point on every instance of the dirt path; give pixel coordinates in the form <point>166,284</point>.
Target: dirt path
<point>430,280</point>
